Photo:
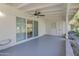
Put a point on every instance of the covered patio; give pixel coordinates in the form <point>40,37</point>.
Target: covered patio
<point>35,29</point>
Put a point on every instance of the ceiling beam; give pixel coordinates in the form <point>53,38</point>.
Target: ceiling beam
<point>39,7</point>
<point>74,6</point>
<point>23,5</point>
<point>52,10</point>
<point>49,11</point>
<point>57,13</point>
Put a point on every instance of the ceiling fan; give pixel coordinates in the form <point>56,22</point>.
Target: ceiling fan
<point>37,13</point>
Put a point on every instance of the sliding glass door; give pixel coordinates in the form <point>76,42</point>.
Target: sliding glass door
<point>20,29</point>
<point>32,28</point>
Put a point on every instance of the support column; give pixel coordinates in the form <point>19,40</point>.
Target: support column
<point>67,13</point>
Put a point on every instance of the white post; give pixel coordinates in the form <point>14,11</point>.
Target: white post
<point>69,50</point>
<point>67,13</point>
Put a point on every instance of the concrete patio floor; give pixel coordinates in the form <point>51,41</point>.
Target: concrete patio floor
<point>44,46</point>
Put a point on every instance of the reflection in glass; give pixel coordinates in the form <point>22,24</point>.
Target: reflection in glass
<point>29,28</point>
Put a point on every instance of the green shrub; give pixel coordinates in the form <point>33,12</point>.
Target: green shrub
<point>77,34</point>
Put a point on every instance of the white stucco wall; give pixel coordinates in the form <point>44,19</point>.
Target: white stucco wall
<point>7,29</point>
<point>42,27</point>
<point>8,25</point>
<point>55,26</point>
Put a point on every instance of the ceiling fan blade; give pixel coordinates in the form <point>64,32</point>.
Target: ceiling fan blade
<point>41,15</point>
<point>37,13</point>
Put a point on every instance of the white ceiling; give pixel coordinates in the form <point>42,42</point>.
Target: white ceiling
<point>49,9</point>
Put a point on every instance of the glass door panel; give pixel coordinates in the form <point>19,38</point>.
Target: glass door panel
<point>35,28</point>
<point>20,29</point>
<point>29,28</point>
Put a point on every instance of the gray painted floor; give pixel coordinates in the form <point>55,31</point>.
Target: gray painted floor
<point>43,46</point>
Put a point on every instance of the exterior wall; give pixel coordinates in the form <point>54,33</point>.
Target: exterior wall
<point>42,27</point>
<point>8,25</point>
<point>8,29</point>
<point>55,26</point>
